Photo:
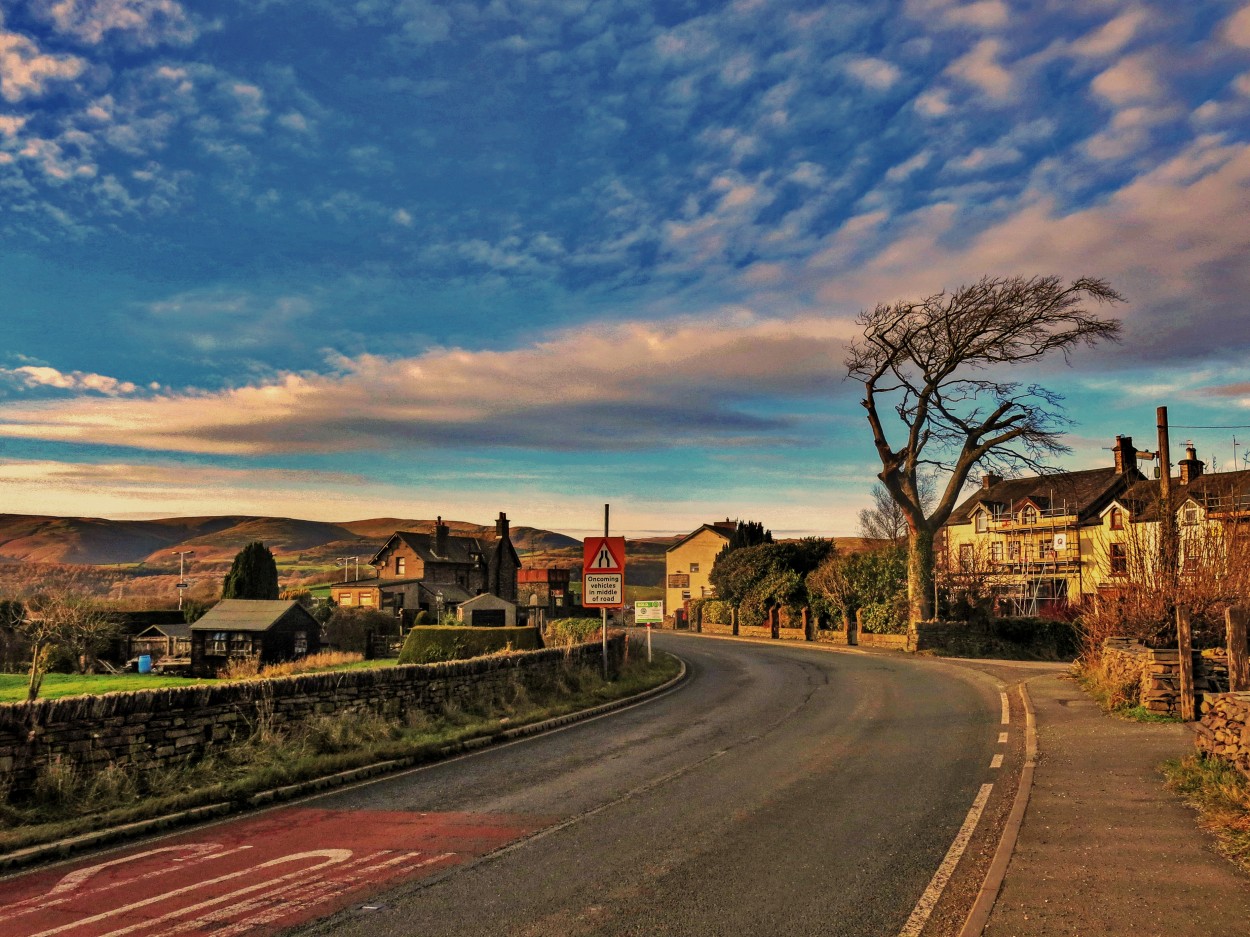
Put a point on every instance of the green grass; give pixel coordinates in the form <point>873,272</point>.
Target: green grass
<point>67,804</point>
<point>1142,714</point>
<point>13,685</point>
<point>1221,795</point>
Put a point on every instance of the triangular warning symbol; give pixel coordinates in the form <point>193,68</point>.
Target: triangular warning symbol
<point>603,559</point>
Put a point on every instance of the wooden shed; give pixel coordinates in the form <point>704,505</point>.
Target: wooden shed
<point>273,630</point>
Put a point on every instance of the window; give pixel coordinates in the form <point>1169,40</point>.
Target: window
<point>965,556</point>
<point>1119,558</point>
<point>685,594</point>
<point>1117,519</point>
<point>982,522</point>
<point>218,644</point>
<point>366,599</point>
<point>344,598</point>
<point>301,643</point>
<point>1028,516</point>
<point>401,563</point>
<point>240,643</point>
<point>1013,551</point>
<point>694,567</point>
<point>996,551</point>
<point>1046,548</point>
<point>1189,514</point>
<point>1189,561</point>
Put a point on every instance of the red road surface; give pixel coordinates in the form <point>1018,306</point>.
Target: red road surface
<point>257,876</point>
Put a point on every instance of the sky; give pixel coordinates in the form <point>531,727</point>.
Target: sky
<point>337,259</point>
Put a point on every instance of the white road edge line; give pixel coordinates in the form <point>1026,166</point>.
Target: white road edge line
<point>928,901</point>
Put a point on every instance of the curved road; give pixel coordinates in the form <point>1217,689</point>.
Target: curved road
<point>778,791</point>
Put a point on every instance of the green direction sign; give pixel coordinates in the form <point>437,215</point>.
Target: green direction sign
<point>650,612</point>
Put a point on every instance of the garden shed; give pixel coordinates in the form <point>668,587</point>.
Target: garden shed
<point>488,611</point>
<point>272,630</point>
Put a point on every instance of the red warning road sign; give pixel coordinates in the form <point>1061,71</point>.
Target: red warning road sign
<point>603,555</point>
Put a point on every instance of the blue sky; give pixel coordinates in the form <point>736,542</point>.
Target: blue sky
<point>340,259</point>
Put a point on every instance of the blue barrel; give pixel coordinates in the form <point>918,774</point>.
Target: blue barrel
<point>145,663</point>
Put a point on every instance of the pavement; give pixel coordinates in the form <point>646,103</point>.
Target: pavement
<point>1104,849</point>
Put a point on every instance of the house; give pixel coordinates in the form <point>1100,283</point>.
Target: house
<point>688,564</point>
<point>544,592</point>
<point>1037,541</point>
<point>487,611</point>
<point>435,572</point>
<point>271,630</point>
<point>1049,540</point>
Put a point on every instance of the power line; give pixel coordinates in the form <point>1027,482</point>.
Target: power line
<point>1184,426</point>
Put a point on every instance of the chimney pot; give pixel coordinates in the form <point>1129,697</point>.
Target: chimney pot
<point>989,480</point>
<point>1125,454</point>
<point>1190,467</point>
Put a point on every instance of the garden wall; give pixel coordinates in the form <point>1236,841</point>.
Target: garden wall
<point>151,728</point>
<point>1224,731</point>
<point>1157,673</point>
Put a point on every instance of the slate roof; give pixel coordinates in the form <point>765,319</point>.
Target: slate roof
<point>1217,492</point>
<point>168,631</point>
<point>459,549</point>
<point>247,615</point>
<point>1081,493</point>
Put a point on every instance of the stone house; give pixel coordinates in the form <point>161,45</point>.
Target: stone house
<point>688,564</point>
<point>434,572</point>
<point>546,590</point>
<point>271,630</point>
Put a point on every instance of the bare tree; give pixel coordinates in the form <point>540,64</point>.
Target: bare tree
<point>885,520</point>
<point>71,625</point>
<point>926,364</point>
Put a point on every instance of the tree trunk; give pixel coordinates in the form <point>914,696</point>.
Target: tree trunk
<point>920,576</point>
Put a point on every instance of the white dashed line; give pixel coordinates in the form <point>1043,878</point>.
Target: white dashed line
<point>996,761</point>
<point>1002,738</point>
<point>1006,710</point>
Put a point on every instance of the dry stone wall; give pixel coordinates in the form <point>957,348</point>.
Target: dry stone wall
<point>151,728</point>
<point>1224,731</point>
<point>1156,672</point>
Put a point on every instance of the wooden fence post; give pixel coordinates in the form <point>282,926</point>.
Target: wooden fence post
<point>733,618</point>
<point>1238,658</point>
<point>1184,641</point>
<point>809,625</point>
<point>774,619</point>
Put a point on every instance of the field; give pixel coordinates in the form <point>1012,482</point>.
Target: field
<point>13,685</point>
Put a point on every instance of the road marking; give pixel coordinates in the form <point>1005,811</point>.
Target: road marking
<point>996,761</point>
<point>1006,709</point>
<point>1002,738</point>
<point>928,901</point>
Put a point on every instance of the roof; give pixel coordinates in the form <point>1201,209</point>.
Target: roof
<point>247,615</point>
<point>1081,493</point>
<point>451,592</point>
<point>720,529</point>
<point>490,601</point>
<point>1217,492</point>
<point>169,631</point>
<point>458,549</point>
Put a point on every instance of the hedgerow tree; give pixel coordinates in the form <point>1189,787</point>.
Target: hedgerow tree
<point>253,575</point>
<point>933,403</point>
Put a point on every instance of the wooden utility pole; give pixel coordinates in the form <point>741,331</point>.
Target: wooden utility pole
<point>1185,645</point>
<point>1238,659</point>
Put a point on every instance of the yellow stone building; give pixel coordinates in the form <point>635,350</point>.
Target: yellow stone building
<point>688,563</point>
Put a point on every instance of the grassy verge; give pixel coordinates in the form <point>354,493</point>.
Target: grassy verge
<point>1116,694</point>
<point>1221,795</point>
<point>66,804</point>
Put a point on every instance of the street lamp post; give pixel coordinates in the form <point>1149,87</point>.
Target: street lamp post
<point>438,605</point>
<point>182,566</point>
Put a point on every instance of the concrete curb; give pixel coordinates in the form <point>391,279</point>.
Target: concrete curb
<point>979,915</point>
<point>63,849</point>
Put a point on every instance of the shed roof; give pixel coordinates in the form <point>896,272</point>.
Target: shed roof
<point>248,615</point>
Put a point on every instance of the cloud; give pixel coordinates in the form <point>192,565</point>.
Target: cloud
<point>218,322</point>
<point>1132,79</point>
<point>628,386</point>
<point>140,23</point>
<point>39,376</point>
<point>1237,28</point>
<point>28,72</point>
<point>982,68</point>
<point>877,74</point>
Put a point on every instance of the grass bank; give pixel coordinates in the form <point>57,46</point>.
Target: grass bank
<point>65,804</point>
<point>1221,795</point>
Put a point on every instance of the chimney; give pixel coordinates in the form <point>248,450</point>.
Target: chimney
<point>1125,454</point>
<point>989,480</point>
<point>440,537</point>
<point>1190,467</point>
<point>501,526</point>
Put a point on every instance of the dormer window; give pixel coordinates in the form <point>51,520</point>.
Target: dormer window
<point>1189,514</point>
<point>1117,519</point>
<point>982,522</point>
<point>1028,516</point>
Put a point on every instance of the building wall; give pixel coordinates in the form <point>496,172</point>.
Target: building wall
<point>692,559</point>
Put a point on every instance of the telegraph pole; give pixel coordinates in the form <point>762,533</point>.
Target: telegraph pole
<point>182,582</point>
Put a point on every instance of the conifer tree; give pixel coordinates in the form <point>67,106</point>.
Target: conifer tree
<point>253,575</point>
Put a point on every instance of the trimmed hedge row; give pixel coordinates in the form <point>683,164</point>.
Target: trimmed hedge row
<point>427,644</point>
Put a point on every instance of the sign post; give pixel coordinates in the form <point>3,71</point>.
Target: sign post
<point>603,577</point>
<point>648,612</point>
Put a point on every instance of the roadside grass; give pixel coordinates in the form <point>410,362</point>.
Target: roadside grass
<point>1115,695</point>
<point>13,685</point>
<point>66,803</point>
<point>1221,795</point>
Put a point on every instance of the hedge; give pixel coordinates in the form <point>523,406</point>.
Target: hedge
<point>428,644</point>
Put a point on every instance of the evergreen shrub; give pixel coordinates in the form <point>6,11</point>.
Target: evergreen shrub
<point>427,644</point>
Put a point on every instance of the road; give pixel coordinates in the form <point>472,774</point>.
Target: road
<point>779,791</point>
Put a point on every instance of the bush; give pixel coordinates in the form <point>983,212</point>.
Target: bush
<point>565,632</point>
<point>1050,636</point>
<point>427,644</point>
<point>717,612</point>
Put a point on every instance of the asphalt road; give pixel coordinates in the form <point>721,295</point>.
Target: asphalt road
<point>780,791</point>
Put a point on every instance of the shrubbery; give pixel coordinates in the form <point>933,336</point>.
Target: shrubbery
<point>565,632</point>
<point>427,644</point>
